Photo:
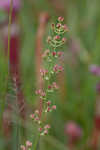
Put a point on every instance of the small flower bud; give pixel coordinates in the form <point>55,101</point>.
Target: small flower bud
<point>48,109</point>
<point>32,116</point>
<point>64,39</point>
<point>28,144</point>
<point>49,87</point>
<point>40,129</point>
<point>49,103</point>
<point>54,107</point>
<point>53,53</point>
<point>57,37</point>
<point>58,25</point>
<point>45,132</point>
<point>60,19</point>
<point>47,126</point>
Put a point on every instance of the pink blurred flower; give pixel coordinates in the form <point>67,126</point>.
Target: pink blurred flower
<point>73,131</point>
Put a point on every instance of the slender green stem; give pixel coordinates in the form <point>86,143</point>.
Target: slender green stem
<point>36,141</point>
<point>9,28</point>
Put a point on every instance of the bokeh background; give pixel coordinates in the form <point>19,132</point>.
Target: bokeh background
<point>77,97</point>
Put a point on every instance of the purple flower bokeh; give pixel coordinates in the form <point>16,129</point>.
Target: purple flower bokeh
<point>5,4</point>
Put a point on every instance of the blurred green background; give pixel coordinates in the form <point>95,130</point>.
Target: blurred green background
<point>82,49</point>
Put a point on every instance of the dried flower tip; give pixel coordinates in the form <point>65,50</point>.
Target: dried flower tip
<point>53,53</point>
<point>60,19</point>
<point>54,107</point>
<point>49,103</point>
<point>57,37</point>
<point>58,25</point>
<point>32,116</point>
<point>28,144</point>
<point>49,39</point>
<point>45,132</point>
<point>64,39</point>
<point>22,147</point>
<point>47,126</point>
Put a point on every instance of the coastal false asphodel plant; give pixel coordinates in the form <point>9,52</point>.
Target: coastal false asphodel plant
<point>48,72</point>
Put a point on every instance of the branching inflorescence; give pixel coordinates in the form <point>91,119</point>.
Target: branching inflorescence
<point>48,74</point>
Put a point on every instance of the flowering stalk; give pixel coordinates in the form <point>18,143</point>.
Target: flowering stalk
<point>14,97</point>
<point>48,74</point>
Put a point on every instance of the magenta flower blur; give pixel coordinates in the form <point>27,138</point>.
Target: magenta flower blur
<point>95,70</point>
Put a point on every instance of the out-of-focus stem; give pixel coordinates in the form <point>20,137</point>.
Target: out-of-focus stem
<point>96,130</point>
<point>9,28</point>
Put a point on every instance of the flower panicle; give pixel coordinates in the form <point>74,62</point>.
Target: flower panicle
<point>48,72</point>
